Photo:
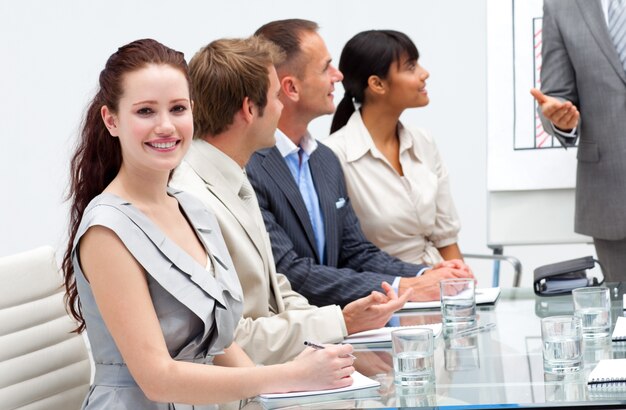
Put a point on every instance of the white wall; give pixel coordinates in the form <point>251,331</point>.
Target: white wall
<point>52,53</point>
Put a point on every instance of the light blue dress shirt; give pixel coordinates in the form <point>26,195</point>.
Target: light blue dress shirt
<point>297,159</point>
<point>301,172</point>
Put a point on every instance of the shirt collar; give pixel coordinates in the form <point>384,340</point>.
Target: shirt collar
<point>361,142</point>
<point>605,10</point>
<point>407,143</point>
<point>230,170</point>
<point>286,146</point>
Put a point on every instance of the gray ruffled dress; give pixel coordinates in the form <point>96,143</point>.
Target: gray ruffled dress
<point>198,310</point>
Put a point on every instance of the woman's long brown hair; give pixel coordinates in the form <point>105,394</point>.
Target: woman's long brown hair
<point>98,156</point>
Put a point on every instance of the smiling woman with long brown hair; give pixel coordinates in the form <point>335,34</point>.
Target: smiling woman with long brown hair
<point>146,269</point>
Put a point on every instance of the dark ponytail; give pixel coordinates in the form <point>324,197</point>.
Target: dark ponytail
<point>344,111</point>
<point>98,156</point>
<point>366,54</point>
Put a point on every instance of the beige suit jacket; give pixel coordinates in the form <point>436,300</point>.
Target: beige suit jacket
<point>276,319</point>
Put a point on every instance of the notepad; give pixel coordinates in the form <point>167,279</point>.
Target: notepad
<point>619,332</point>
<point>383,335</point>
<point>608,374</point>
<point>360,382</point>
<point>484,296</point>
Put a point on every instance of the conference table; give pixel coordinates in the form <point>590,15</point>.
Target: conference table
<point>499,368</point>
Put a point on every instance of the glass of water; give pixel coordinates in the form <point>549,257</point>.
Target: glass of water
<point>458,301</point>
<point>593,306</point>
<point>413,361</point>
<point>411,397</point>
<point>461,353</point>
<point>562,344</point>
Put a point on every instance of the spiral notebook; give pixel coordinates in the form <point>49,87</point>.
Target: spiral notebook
<point>608,374</point>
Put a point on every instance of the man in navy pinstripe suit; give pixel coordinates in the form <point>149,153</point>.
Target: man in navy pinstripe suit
<point>316,238</point>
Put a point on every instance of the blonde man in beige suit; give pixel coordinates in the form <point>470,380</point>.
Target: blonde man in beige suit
<point>236,110</point>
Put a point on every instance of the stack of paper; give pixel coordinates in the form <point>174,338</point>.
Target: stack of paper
<point>562,283</point>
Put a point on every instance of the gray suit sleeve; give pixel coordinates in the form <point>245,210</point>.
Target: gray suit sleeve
<point>558,78</point>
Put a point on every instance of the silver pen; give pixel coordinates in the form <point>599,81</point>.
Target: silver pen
<point>474,330</point>
<point>318,347</point>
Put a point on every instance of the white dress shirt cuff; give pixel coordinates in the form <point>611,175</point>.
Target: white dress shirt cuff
<point>423,270</point>
<point>396,282</point>
<point>572,134</point>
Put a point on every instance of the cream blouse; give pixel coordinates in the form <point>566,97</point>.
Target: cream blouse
<point>407,216</point>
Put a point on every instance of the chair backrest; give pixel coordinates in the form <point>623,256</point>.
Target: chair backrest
<point>42,364</point>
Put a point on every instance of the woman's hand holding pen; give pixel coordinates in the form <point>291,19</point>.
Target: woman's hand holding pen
<point>327,368</point>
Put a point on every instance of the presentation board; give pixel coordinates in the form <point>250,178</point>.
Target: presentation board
<point>530,177</point>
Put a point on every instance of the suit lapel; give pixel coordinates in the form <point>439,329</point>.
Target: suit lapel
<point>218,186</point>
<point>327,203</point>
<point>594,18</point>
<point>276,167</point>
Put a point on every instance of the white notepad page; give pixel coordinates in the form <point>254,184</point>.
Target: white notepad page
<point>483,296</point>
<point>383,335</point>
<point>359,382</point>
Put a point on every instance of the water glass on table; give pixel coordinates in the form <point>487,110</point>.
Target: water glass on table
<point>413,361</point>
<point>461,353</point>
<point>595,350</point>
<point>412,397</point>
<point>458,301</point>
<point>562,344</point>
<point>593,306</point>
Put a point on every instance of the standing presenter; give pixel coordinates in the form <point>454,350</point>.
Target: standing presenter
<point>583,97</point>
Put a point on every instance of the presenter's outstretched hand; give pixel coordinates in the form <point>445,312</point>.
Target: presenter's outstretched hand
<point>563,114</point>
<point>374,310</point>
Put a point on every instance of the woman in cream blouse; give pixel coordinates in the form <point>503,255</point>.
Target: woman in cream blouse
<point>396,179</point>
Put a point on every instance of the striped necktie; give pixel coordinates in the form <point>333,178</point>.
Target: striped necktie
<point>617,28</point>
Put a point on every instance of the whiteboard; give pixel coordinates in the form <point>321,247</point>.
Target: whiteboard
<point>530,177</point>
<point>532,217</point>
<point>521,155</point>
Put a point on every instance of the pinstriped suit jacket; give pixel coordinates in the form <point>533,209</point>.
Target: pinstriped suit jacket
<point>354,266</point>
<point>581,65</point>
